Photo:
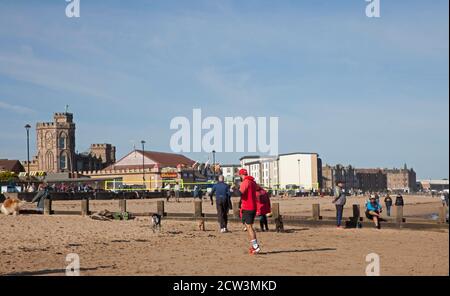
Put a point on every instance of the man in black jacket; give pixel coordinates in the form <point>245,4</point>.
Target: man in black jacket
<point>388,203</point>
<point>399,201</point>
<point>223,195</point>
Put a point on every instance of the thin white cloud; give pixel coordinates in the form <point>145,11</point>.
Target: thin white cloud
<point>16,108</point>
<point>54,75</point>
<point>233,86</point>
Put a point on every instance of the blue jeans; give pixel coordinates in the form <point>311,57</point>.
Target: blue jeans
<point>339,212</point>
<point>388,209</point>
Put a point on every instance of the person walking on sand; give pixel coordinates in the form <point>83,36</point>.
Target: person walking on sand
<point>263,207</point>
<point>169,192</point>
<point>196,191</point>
<point>388,203</point>
<point>177,192</point>
<point>339,200</point>
<point>444,199</point>
<point>248,208</point>
<point>399,201</point>
<point>223,195</point>
<point>373,211</point>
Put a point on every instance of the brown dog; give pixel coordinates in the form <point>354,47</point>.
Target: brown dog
<point>279,225</point>
<point>11,206</point>
<point>201,225</point>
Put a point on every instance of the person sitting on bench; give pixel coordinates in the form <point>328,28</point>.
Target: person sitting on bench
<point>373,211</point>
<point>41,195</point>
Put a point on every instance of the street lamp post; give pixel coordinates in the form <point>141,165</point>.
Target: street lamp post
<point>214,164</point>
<point>143,161</point>
<point>27,127</point>
<point>299,178</point>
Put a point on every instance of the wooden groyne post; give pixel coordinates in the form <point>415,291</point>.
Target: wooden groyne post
<point>122,205</point>
<point>236,210</point>
<point>85,207</point>
<point>316,212</point>
<point>47,206</point>
<point>356,213</point>
<point>160,207</point>
<point>399,215</point>
<point>198,208</point>
<point>443,215</point>
<point>276,210</point>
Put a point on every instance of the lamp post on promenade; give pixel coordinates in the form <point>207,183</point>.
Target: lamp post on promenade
<point>27,127</point>
<point>143,161</point>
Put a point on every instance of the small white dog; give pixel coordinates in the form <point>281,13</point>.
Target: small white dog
<point>11,206</point>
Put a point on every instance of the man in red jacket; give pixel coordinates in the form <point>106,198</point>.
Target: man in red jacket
<point>248,208</point>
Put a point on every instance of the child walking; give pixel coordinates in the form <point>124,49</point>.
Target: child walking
<point>263,207</point>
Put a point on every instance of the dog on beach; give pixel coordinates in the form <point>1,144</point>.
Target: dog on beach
<point>201,225</point>
<point>156,222</point>
<point>11,206</point>
<point>279,226</point>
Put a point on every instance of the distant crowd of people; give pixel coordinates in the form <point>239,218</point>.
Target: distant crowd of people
<point>58,187</point>
<point>373,207</point>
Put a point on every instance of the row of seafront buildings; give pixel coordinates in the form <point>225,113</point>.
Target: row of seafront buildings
<point>57,157</point>
<point>371,180</point>
<point>305,171</point>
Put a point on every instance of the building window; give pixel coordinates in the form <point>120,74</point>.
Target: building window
<point>62,142</point>
<point>63,162</point>
<point>49,161</point>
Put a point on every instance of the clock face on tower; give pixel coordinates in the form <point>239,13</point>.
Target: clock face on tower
<point>49,140</point>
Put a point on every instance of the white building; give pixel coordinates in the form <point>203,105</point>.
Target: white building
<point>251,164</point>
<point>433,185</point>
<point>299,169</point>
<point>263,169</point>
<point>229,171</point>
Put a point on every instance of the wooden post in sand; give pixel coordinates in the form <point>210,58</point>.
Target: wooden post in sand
<point>276,210</point>
<point>236,210</point>
<point>443,215</point>
<point>122,205</point>
<point>160,207</point>
<point>356,212</point>
<point>47,206</point>
<point>399,216</point>
<point>356,218</point>
<point>85,207</point>
<point>198,208</point>
<point>316,212</point>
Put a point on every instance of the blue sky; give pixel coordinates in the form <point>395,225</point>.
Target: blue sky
<point>357,90</point>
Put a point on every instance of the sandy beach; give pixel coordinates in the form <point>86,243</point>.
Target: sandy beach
<point>38,245</point>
